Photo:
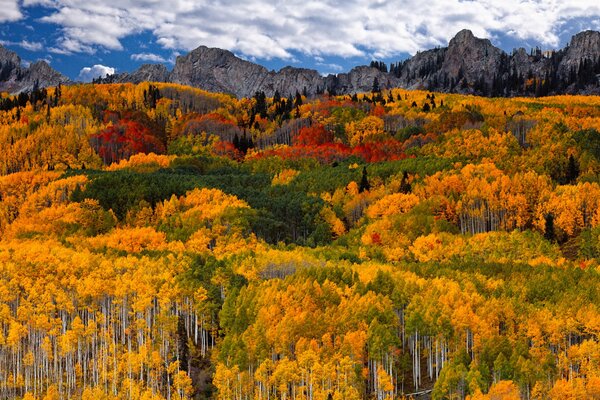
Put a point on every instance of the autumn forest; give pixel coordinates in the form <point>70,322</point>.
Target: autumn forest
<point>163,242</point>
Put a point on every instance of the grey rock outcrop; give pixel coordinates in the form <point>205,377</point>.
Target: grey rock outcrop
<point>471,56</point>
<point>145,73</point>
<point>473,65</point>
<point>15,78</point>
<point>360,80</point>
<point>467,65</point>
<point>583,46</point>
<point>220,70</point>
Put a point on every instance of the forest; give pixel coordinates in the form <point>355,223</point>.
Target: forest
<point>162,242</point>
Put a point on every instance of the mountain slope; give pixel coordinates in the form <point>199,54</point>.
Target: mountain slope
<point>469,65</point>
<point>220,70</point>
<point>472,65</point>
<point>15,78</point>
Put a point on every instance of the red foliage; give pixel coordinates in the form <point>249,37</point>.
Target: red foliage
<point>212,123</point>
<point>315,135</point>
<point>323,107</point>
<point>387,150</point>
<point>123,139</point>
<point>227,149</point>
<point>419,140</point>
<point>376,238</point>
<point>326,153</point>
<point>216,117</point>
<point>378,111</point>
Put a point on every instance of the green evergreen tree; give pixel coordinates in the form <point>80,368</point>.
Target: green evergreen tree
<point>364,182</point>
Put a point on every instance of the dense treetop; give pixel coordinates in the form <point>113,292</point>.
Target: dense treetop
<point>159,241</point>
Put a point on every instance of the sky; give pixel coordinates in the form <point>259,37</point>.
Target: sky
<point>84,39</point>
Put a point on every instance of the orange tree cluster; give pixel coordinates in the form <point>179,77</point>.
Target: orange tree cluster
<point>163,242</point>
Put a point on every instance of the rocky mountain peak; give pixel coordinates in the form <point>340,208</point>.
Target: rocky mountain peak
<point>463,36</point>
<point>466,41</point>
<point>585,44</point>
<point>9,56</point>
<point>15,78</point>
<point>468,65</point>
<point>153,73</point>
<point>468,56</point>
<point>43,69</point>
<point>40,74</point>
<point>218,70</point>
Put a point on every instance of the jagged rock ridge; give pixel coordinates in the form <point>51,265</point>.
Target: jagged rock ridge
<point>221,71</point>
<point>15,78</point>
<point>467,65</point>
<point>472,65</point>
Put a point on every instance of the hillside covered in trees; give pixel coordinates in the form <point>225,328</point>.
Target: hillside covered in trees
<point>163,242</point>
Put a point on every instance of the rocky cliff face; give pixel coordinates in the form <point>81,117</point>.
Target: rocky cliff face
<point>469,56</point>
<point>583,46</point>
<point>472,65</point>
<point>220,70</point>
<point>467,65</point>
<point>145,73</point>
<point>360,79</point>
<point>15,78</point>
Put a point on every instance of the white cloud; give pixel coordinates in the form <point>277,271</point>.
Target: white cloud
<point>87,74</point>
<point>331,67</point>
<point>149,57</point>
<point>27,45</point>
<point>9,10</point>
<point>31,46</point>
<point>267,29</point>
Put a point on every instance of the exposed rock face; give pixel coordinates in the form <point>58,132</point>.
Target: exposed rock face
<point>584,46</point>
<point>41,74</point>
<point>145,73</point>
<point>361,79</point>
<point>471,56</point>
<point>220,70</point>
<point>422,64</point>
<point>467,65</point>
<point>472,65</point>
<point>14,78</point>
<point>9,64</point>
<point>289,80</point>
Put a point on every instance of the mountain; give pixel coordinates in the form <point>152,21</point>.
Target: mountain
<point>475,66</point>
<point>146,73</point>
<point>468,65</point>
<point>220,70</point>
<point>15,78</point>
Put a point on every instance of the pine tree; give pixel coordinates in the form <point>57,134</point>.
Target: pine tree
<point>376,88</point>
<point>77,194</point>
<point>572,170</point>
<point>298,101</point>
<point>549,228</point>
<point>364,182</point>
<point>404,184</point>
